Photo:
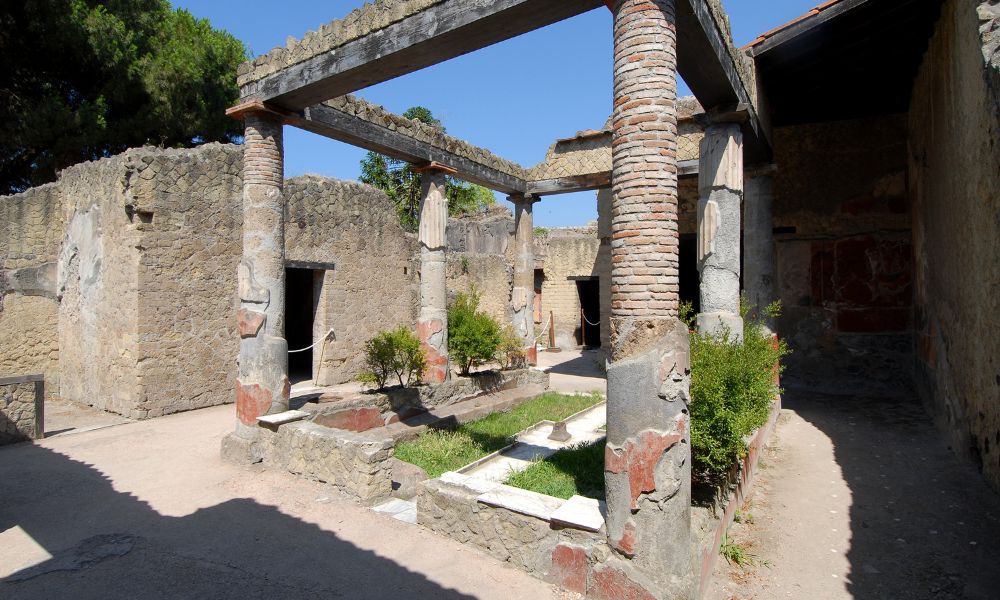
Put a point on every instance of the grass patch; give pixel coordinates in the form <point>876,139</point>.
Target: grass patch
<point>439,451</point>
<point>575,471</point>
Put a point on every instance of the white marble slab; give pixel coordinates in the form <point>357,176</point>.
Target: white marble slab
<point>522,501</point>
<point>289,416</point>
<point>580,512</point>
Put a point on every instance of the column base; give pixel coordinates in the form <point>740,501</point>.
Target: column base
<point>718,323</point>
<point>531,355</point>
<point>242,448</point>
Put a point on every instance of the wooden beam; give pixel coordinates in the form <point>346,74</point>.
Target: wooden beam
<point>593,181</point>
<point>439,33</point>
<point>705,63</point>
<point>566,185</point>
<point>341,126</point>
<point>803,25</point>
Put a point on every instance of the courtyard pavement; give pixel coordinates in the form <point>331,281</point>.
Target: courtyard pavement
<point>859,497</point>
<point>114,509</point>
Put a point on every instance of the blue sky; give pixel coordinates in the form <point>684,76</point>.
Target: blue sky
<point>514,98</point>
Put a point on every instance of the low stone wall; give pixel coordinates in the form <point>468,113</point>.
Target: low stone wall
<point>21,408</point>
<point>356,464</point>
<point>710,524</point>
<point>533,544</point>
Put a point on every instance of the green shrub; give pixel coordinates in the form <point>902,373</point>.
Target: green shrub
<point>731,390</point>
<point>510,352</point>
<point>391,353</point>
<point>473,336</point>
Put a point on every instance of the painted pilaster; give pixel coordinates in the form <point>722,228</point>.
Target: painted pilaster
<point>523,295</point>
<point>647,460</point>
<point>432,320</point>
<point>759,263</point>
<point>720,192</point>
<point>262,385</point>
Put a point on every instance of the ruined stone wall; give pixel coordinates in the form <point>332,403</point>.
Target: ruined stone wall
<point>954,158</point>
<point>187,218</point>
<point>480,255</point>
<point>98,275</point>
<point>372,285</point>
<point>844,259</point>
<point>31,230</point>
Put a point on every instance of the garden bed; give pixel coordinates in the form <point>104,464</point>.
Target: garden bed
<point>577,471</point>
<point>440,451</point>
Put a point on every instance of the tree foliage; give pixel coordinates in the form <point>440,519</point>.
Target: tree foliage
<point>398,179</point>
<point>83,79</point>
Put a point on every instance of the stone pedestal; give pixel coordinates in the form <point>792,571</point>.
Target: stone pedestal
<point>759,268</point>
<point>262,385</point>
<point>432,320</point>
<point>523,295</point>
<point>647,461</point>
<point>720,191</point>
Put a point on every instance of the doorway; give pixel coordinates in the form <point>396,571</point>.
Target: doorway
<point>689,279</point>
<point>589,291</point>
<point>302,288</point>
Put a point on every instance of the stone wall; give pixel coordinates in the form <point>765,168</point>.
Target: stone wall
<point>569,254</point>
<point>119,280</point>
<point>350,231</point>
<point>98,283</point>
<point>187,218</point>
<point>21,409</point>
<point>844,254</point>
<point>31,230</point>
<point>480,255</point>
<point>954,159</point>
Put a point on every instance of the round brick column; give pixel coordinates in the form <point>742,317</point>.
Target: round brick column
<point>647,461</point>
<point>262,384</point>
<point>432,320</point>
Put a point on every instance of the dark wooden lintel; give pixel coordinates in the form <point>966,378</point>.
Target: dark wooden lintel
<point>439,33</point>
<point>332,123</point>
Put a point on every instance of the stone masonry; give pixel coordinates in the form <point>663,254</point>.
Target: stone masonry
<point>720,191</point>
<point>21,408</point>
<point>647,464</point>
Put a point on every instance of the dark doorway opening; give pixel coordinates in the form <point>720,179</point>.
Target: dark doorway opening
<point>688,272</point>
<point>301,299</point>
<point>589,291</point>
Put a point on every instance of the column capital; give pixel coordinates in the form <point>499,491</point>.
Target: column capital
<point>524,198</point>
<point>724,114</point>
<point>434,167</point>
<point>256,107</point>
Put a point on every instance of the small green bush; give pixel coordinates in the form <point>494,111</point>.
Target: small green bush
<point>389,353</point>
<point>473,336</point>
<point>510,352</point>
<point>732,390</point>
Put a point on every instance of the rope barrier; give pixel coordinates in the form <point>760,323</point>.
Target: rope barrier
<point>584,317</point>
<point>324,338</point>
<point>544,329</point>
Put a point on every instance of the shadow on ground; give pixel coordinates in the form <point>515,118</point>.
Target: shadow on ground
<point>237,549</point>
<point>585,365</point>
<point>923,523</point>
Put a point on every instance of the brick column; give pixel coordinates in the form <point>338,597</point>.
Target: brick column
<point>523,295</point>
<point>647,461</point>
<point>720,192</point>
<point>432,320</point>
<point>262,374</point>
<point>759,268</point>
